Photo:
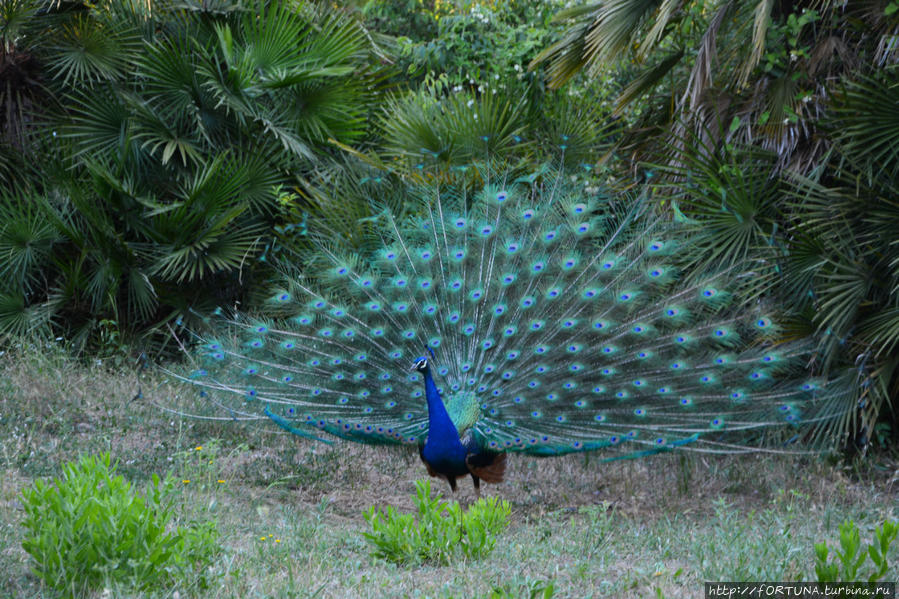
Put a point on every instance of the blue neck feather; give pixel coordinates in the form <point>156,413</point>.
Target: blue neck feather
<point>443,442</point>
<point>439,423</point>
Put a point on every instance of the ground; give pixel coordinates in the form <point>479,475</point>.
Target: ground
<point>290,510</point>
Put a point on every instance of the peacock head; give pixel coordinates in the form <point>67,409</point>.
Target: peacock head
<point>421,364</point>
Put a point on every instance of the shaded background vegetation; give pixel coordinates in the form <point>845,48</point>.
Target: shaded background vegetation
<point>161,159</point>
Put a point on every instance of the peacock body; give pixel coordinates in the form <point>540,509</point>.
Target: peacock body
<point>535,319</point>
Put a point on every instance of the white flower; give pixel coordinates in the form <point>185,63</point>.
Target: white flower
<point>470,103</point>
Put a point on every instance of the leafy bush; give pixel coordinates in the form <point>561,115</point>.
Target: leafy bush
<point>164,152</point>
<point>442,532</point>
<point>851,557</point>
<point>90,528</point>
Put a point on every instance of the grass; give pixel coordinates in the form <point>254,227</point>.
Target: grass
<point>290,511</point>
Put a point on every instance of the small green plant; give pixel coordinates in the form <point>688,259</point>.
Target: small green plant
<point>90,528</point>
<point>441,533</point>
<point>851,556</point>
<point>532,589</point>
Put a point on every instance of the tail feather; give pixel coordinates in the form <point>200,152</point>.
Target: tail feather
<point>559,323</point>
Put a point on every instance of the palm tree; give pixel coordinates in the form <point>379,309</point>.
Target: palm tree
<point>764,66</point>
<point>176,130</point>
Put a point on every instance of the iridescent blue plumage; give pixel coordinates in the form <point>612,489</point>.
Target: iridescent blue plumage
<point>559,322</point>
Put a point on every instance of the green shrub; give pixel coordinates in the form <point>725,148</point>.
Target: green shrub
<point>442,532</point>
<point>90,528</point>
<point>851,557</point>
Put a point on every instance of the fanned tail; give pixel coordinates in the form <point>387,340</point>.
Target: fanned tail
<point>559,322</point>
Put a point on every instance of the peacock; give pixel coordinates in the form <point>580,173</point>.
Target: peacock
<point>521,315</point>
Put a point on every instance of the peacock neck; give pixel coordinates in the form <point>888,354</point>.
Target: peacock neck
<point>440,425</point>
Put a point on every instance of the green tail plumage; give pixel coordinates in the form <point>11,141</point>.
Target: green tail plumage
<point>558,323</point>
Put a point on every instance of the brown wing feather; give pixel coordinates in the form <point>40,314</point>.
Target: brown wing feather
<point>489,467</point>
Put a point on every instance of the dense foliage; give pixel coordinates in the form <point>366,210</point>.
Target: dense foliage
<point>170,146</point>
